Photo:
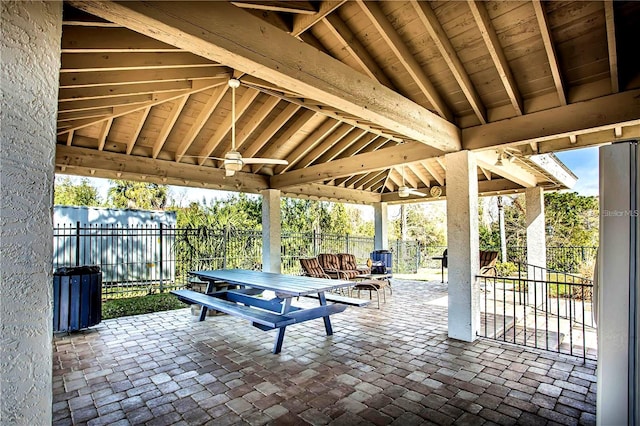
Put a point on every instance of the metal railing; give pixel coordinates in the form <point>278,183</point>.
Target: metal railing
<point>141,259</point>
<point>540,308</point>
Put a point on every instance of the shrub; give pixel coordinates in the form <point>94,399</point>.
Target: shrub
<point>506,269</point>
<point>140,305</point>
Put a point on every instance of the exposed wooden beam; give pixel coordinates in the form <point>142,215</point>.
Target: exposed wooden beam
<point>406,58</point>
<point>316,137</point>
<point>333,193</point>
<point>226,34</point>
<point>429,20</point>
<point>89,104</point>
<point>70,138</point>
<point>483,21</point>
<point>248,128</point>
<point>549,47</point>
<point>487,160</point>
<point>104,132</point>
<point>74,94</point>
<point>334,151</point>
<point>300,7</point>
<point>74,62</point>
<point>554,168</point>
<point>419,174</point>
<point>276,124</point>
<point>594,138</point>
<point>485,188</point>
<point>108,164</point>
<point>619,109</point>
<point>302,23</point>
<point>611,43</point>
<point>319,149</point>
<point>276,145</point>
<point>221,131</point>
<point>168,124</point>
<point>433,172</point>
<point>97,113</point>
<point>138,129</point>
<point>362,163</point>
<point>103,78</point>
<point>486,173</point>
<point>201,120</point>
<point>358,52</point>
<point>109,40</point>
<point>364,144</point>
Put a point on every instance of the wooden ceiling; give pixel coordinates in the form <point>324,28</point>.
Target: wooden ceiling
<point>356,96</point>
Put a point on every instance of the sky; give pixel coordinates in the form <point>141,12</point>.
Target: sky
<point>582,162</point>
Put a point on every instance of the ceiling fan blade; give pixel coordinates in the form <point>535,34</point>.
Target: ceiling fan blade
<point>264,161</point>
<point>414,192</point>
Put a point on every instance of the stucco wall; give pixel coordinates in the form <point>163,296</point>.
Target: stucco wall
<point>30,67</point>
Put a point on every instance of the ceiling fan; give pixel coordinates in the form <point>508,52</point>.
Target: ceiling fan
<point>404,191</point>
<point>233,160</point>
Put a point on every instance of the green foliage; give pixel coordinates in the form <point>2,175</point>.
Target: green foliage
<point>419,227</point>
<point>126,194</point>
<point>506,269</point>
<point>66,193</point>
<point>140,305</point>
<point>572,219</point>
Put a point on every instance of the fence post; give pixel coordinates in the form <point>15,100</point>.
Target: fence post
<point>346,239</point>
<point>225,244</point>
<point>315,243</point>
<point>161,259</point>
<point>417,256</point>
<point>78,243</point>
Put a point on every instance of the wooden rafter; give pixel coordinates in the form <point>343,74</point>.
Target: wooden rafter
<point>104,132</point>
<point>109,40</point>
<point>428,18</point>
<point>401,51</point>
<point>275,145</point>
<point>433,172</point>
<point>276,124</point>
<point>311,141</point>
<point>136,132</point>
<point>483,21</point>
<point>302,23</point>
<point>226,34</point>
<point>358,52</point>
<point>300,7</point>
<point>117,77</point>
<point>361,163</point>
<point>168,124</point>
<point>223,128</point>
<point>549,47</point>
<point>487,160</point>
<point>98,92</point>
<point>201,120</point>
<point>338,148</point>
<point>611,44</point>
<point>74,62</point>
<point>316,152</point>
<point>415,169</point>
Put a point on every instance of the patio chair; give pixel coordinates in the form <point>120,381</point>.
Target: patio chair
<point>311,268</point>
<point>488,260</point>
<point>330,263</point>
<point>348,263</point>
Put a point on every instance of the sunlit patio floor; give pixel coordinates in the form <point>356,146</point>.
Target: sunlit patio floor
<point>393,365</point>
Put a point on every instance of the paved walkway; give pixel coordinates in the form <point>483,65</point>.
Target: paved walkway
<point>389,366</point>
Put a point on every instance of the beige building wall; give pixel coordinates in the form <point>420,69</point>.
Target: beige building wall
<point>30,41</point>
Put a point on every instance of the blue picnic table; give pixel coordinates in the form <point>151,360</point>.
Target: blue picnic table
<point>268,314</point>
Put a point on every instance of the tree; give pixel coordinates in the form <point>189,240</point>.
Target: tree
<point>420,227</point>
<point>66,193</point>
<point>571,219</point>
<point>126,194</point>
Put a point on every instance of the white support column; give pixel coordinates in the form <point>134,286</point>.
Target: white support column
<point>30,46</point>
<point>618,286</point>
<point>463,251</point>
<point>381,239</point>
<point>536,244</point>
<point>271,230</point>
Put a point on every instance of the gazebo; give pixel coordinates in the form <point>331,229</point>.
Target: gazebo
<point>365,102</point>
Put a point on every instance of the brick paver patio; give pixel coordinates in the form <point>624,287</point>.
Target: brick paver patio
<point>389,366</point>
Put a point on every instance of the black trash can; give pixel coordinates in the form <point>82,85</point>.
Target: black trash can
<point>384,256</point>
<point>77,297</point>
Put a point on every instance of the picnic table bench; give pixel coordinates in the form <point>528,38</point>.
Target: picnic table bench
<point>268,314</point>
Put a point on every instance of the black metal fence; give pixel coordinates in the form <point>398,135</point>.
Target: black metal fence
<point>142,259</point>
<point>541,308</point>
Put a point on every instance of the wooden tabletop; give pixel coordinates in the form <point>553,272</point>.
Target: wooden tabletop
<point>292,285</point>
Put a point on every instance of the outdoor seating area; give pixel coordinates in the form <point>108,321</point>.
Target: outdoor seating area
<point>393,364</point>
